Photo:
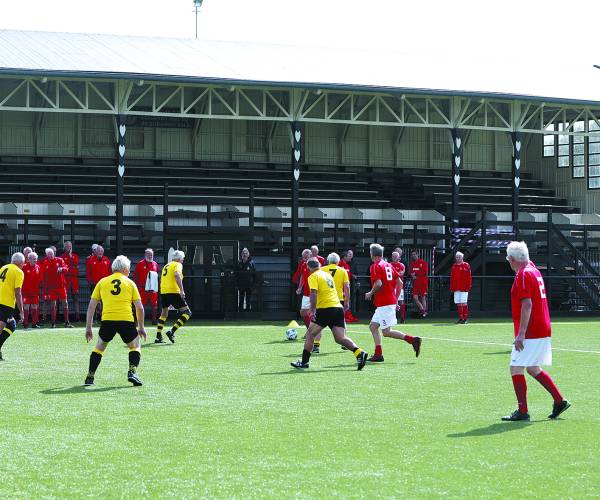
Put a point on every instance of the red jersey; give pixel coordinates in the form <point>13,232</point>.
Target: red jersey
<point>529,284</point>
<point>321,260</point>
<point>460,278</point>
<point>96,269</point>
<point>400,269</point>
<point>304,274</point>
<point>72,261</point>
<point>342,263</point>
<point>140,274</point>
<point>382,270</point>
<point>32,280</point>
<point>51,277</point>
<point>419,268</point>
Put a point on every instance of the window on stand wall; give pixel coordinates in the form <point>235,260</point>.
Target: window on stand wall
<point>578,151</point>
<point>594,156</point>
<point>564,148</point>
<point>549,143</point>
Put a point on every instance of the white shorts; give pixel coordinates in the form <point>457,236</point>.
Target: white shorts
<point>305,302</point>
<point>385,316</point>
<point>536,352</point>
<point>401,296</point>
<point>461,297</point>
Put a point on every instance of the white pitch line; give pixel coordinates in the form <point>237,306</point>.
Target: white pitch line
<point>496,343</point>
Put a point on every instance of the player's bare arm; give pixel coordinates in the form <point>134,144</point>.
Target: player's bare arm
<point>376,287</point>
<point>526,306</point>
<point>89,318</point>
<point>139,312</point>
<point>179,284</point>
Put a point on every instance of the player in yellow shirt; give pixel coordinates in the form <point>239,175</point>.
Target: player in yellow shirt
<point>326,311</point>
<point>172,294</point>
<point>11,300</point>
<point>117,293</point>
<point>342,287</point>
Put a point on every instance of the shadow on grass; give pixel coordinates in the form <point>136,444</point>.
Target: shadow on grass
<point>284,342</point>
<point>292,371</point>
<point>490,430</point>
<point>319,355</point>
<point>152,344</point>
<point>497,352</point>
<point>80,389</point>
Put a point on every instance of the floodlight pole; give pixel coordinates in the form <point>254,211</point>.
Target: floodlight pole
<point>121,129</point>
<point>197,5</point>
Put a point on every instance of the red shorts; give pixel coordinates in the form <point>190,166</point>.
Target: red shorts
<point>420,286</point>
<point>73,284</point>
<point>57,294</point>
<point>151,297</point>
<point>31,299</point>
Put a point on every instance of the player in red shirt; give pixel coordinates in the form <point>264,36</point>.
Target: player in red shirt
<point>460,286</point>
<point>97,266</point>
<point>418,270</point>
<point>72,277</point>
<point>345,263</point>
<point>314,250</point>
<point>31,290</point>
<point>140,276</point>
<point>400,269</point>
<point>385,288</point>
<point>532,346</point>
<point>53,271</point>
<point>302,289</point>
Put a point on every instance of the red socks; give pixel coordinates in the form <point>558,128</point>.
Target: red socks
<point>66,314</point>
<point>463,311</point>
<point>53,314</point>
<point>378,351</point>
<point>26,317</point>
<point>521,391</point>
<point>403,311</point>
<point>409,339</point>
<point>548,384</point>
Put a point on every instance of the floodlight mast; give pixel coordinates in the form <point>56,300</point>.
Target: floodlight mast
<point>197,5</point>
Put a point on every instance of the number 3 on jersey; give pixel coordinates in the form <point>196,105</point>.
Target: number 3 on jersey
<point>117,285</point>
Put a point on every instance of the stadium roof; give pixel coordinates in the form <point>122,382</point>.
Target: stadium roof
<point>451,71</point>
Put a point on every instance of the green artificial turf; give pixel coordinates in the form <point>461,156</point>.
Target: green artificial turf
<point>222,414</point>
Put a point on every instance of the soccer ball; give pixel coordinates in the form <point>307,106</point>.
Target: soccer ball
<point>291,334</point>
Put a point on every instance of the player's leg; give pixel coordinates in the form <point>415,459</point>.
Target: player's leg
<point>339,334</point>
<point>26,311</point>
<point>374,328</point>
<point>395,334</point>
<point>153,296</point>
<point>424,304</point>
<point>402,307</point>
<point>7,325</point>
<point>130,337</point>
<point>560,403</point>
<point>35,315</point>
<point>317,343</point>
<point>314,329</point>
<point>52,303</point>
<point>96,358</point>
<point>164,314</point>
<point>520,386</point>
<point>184,315</point>
<point>75,294</point>
<point>65,305</point>
<point>465,308</point>
<point>459,308</point>
<point>417,302</point>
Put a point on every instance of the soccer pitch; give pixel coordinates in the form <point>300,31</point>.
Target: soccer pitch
<point>222,414</point>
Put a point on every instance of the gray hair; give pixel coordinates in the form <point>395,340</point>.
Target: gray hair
<point>376,250</point>
<point>17,258</point>
<point>178,256</point>
<point>94,246</point>
<point>333,258</point>
<point>459,254</point>
<point>313,264</point>
<point>396,254</point>
<point>32,255</point>
<point>120,264</point>
<point>148,250</point>
<point>306,251</point>
<point>50,250</point>
<point>518,251</point>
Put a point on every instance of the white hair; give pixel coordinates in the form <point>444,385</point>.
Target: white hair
<point>94,246</point>
<point>32,255</point>
<point>148,250</point>
<point>333,258</point>
<point>178,256</point>
<point>376,250</point>
<point>17,258</point>
<point>49,250</point>
<point>395,254</point>
<point>314,247</point>
<point>459,254</point>
<point>120,264</point>
<point>517,250</point>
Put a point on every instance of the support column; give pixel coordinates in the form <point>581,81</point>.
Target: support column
<point>517,143</point>
<point>457,160</point>
<point>121,129</point>
<point>165,222</point>
<point>296,155</point>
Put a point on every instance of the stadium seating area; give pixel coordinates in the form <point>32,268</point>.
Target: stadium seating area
<point>202,182</point>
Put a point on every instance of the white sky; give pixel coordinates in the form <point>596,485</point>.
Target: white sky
<point>544,29</point>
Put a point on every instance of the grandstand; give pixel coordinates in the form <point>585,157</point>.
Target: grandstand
<point>226,145</point>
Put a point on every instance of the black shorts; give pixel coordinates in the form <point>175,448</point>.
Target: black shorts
<point>7,313</point>
<point>330,317</point>
<point>126,329</point>
<point>172,299</point>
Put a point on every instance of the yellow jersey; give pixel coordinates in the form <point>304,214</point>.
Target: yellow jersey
<point>117,293</point>
<point>11,278</point>
<point>167,277</point>
<point>340,276</point>
<point>322,282</point>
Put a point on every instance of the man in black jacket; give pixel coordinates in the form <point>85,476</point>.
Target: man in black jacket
<point>245,274</point>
